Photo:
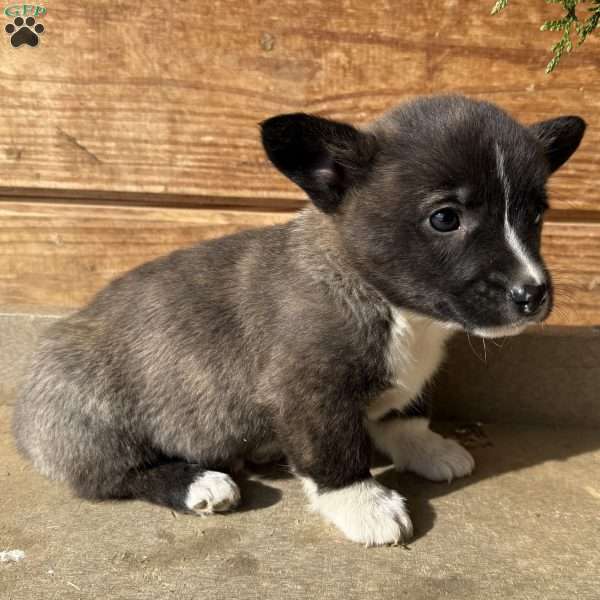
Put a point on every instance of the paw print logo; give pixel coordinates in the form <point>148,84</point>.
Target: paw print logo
<point>24,32</point>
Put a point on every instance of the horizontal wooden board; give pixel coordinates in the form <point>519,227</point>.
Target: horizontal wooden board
<point>572,251</point>
<point>165,97</point>
<point>60,255</point>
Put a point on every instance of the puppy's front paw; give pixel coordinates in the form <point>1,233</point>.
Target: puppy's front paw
<point>366,512</point>
<point>440,459</point>
<point>414,447</point>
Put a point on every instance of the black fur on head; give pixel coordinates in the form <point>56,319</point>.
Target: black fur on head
<point>438,203</point>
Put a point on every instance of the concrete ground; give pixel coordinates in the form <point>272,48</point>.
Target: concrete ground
<point>526,525</point>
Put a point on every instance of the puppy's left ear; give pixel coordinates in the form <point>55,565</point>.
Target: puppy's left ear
<point>325,158</point>
<point>559,137</point>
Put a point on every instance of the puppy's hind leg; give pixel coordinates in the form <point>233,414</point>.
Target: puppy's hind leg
<point>184,487</point>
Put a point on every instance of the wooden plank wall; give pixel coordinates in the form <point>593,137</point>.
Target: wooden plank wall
<point>132,128</point>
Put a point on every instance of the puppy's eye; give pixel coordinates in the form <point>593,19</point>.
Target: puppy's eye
<point>444,220</point>
<point>538,218</point>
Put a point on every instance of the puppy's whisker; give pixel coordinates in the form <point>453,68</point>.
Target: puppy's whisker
<point>496,343</point>
<point>473,349</point>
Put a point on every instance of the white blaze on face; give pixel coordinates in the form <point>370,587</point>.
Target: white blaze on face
<point>532,268</point>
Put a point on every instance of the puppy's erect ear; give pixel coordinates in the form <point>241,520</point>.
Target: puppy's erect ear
<point>323,157</point>
<point>559,137</point>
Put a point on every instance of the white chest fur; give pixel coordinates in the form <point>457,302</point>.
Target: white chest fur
<point>415,350</point>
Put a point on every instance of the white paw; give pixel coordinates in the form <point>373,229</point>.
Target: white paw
<point>365,512</point>
<point>414,447</point>
<point>441,459</point>
<point>212,492</point>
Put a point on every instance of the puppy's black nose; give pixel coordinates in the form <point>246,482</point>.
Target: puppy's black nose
<point>529,298</point>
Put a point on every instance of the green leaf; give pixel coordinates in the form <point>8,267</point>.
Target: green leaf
<point>583,27</point>
<point>499,6</point>
<point>555,25</point>
<point>552,64</point>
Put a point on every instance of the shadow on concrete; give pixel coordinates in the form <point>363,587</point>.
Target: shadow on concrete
<point>497,451</point>
<point>256,494</point>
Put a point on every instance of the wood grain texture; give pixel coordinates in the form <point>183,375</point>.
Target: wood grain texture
<point>572,251</point>
<point>60,255</point>
<point>165,97</point>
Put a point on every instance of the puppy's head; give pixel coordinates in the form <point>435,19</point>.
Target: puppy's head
<point>439,204</point>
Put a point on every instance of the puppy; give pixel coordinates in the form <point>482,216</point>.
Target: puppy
<point>313,339</point>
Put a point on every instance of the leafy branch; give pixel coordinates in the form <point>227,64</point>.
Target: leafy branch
<point>569,23</point>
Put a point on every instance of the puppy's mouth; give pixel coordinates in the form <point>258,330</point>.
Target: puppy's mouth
<point>492,331</point>
<point>501,322</point>
<point>500,331</point>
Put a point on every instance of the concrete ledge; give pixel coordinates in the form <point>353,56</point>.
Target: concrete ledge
<point>548,376</point>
